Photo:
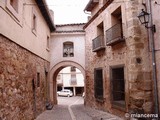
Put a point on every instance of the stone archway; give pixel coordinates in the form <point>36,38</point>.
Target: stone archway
<point>53,74</point>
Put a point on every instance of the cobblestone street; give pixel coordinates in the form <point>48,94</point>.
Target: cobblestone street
<point>73,109</point>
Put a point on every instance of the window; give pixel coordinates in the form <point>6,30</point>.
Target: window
<point>15,7</point>
<point>48,43</point>
<point>58,77</point>
<point>100,29</point>
<point>14,4</point>
<point>73,69</point>
<point>114,34</point>
<point>118,86</point>
<point>73,80</point>
<point>34,22</point>
<point>98,83</point>
<point>38,79</point>
<point>33,85</point>
<point>98,42</point>
<point>68,49</point>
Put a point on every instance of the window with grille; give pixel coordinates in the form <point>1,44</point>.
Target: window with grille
<point>98,83</point>
<point>118,85</point>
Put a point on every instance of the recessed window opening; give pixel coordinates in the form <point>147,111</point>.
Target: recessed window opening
<point>48,42</point>
<point>33,85</point>
<point>100,29</point>
<point>38,79</point>
<point>34,22</point>
<point>116,16</point>
<point>14,4</point>
<point>114,34</point>
<point>98,83</point>
<point>68,49</point>
<point>118,86</point>
<point>117,20</point>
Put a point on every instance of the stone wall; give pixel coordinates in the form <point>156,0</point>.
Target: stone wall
<point>18,69</point>
<point>139,65</point>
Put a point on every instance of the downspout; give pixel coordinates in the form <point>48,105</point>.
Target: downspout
<point>152,44</point>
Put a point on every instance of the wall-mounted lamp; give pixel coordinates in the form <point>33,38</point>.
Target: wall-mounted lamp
<point>144,19</point>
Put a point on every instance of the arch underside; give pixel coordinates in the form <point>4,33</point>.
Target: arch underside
<point>53,75</point>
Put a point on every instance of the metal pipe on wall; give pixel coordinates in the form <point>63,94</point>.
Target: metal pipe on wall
<point>152,44</point>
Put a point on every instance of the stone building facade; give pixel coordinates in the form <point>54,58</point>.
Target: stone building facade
<point>68,45</point>
<point>118,62</point>
<point>24,58</point>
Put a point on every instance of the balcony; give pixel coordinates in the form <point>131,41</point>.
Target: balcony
<point>98,43</point>
<point>114,35</point>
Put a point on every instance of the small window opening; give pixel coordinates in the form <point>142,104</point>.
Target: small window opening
<point>98,83</point>
<point>33,85</point>
<point>100,29</point>
<point>48,42</point>
<point>14,4</point>
<point>38,79</point>
<point>34,20</point>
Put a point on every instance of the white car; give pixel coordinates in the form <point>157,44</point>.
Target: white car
<point>65,92</point>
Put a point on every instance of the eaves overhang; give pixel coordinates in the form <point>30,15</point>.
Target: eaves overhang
<point>91,4</point>
<point>45,13</point>
<point>98,13</point>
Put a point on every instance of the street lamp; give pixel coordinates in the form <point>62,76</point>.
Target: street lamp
<point>144,19</point>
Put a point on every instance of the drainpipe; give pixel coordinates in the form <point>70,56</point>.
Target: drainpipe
<point>151,38</point>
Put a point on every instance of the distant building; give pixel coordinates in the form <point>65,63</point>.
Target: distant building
<point>71,78</point>
<point>25,28</point>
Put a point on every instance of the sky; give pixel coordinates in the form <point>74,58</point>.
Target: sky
<point>68,11</point>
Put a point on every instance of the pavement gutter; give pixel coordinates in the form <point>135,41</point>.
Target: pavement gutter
<point>70,110</point>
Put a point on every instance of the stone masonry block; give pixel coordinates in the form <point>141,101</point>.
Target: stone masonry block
<point>134,30</point>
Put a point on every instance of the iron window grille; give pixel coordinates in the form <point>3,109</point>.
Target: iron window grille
<point>98,83</point>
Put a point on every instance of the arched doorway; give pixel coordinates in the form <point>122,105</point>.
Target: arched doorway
<point>53,75</point>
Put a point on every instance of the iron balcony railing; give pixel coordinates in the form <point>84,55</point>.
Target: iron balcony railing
<point>114,35</point>
<point>98,43</point>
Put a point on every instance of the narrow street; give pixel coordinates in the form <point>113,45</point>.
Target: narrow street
<point>73,109</point>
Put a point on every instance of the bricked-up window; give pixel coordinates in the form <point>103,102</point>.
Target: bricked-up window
<point>118,85</point>
<point>38,79</point>
<point>68,49</point>
<point>98,83</point>
<point>14,4</point>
